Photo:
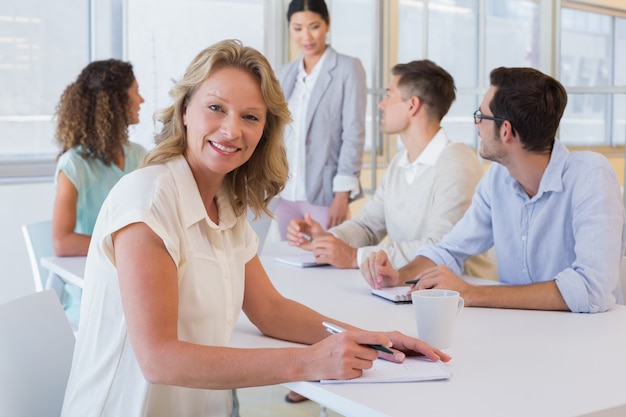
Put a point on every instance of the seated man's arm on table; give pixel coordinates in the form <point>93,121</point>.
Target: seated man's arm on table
<point>338,246</point>
<point>582,253</point>
<point>471,235</point>
<point>537,296</point>
<point>437,199</point>
<point>540,296</point>
<point>440,267</point>
<point>326,247</point>
<point>583,248</point>
<point>575,245</point>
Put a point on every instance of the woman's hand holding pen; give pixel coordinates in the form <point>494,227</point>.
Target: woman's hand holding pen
<point>346,354</point>
<point>411,346</point>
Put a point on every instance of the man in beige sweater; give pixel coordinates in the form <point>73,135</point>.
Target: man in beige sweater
<point>425,190</point>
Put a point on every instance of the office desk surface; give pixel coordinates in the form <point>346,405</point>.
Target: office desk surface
<point>70,268</point>
<point>505,362</point>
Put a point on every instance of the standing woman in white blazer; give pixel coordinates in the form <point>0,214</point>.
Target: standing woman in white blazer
<point>327,94</point>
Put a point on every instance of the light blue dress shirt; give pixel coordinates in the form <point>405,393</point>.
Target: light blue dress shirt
<point>572,231</point>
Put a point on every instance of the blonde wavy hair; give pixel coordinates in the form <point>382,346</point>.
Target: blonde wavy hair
<point>264,175</point>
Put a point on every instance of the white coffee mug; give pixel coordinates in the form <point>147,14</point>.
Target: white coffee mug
<point>435,314</point>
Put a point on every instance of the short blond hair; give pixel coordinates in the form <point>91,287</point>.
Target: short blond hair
<point>264,175</point>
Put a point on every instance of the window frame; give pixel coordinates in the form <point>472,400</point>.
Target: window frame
<point>107,33</point>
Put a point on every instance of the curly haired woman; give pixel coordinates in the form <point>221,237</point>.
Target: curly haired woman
<point>93,116</point>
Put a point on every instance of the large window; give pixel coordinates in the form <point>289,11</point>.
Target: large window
<point>484,35</point>
<point>43,45</point>
<point>163,36</point>
<point>586,54</point>
<point>356,30</point>
<point>593,55</point>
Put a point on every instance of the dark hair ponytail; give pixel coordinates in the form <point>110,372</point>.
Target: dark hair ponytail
<point>315,6</point>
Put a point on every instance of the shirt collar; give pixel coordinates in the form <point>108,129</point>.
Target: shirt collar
<point>316,69</point>
<point>552,178</point>
<point>192,208</point>
<point>430,154</point>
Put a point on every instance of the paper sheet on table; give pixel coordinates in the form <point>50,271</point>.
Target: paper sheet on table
<point>411,370</point>
<point>302,261</point>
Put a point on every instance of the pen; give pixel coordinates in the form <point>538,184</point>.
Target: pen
<point>307,237</point>
<point>412,282</point>
<point>333,328</point>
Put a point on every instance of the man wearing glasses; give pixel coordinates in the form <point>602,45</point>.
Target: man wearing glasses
<point>555,217</point>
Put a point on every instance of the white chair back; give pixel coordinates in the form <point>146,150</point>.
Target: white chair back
<point>36,348</point>
<point>38,238</point>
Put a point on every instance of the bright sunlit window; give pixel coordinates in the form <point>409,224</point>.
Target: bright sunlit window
<point>161,40</point>
<point>43,45</point>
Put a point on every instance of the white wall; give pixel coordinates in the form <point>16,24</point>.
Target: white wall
<point>20,204</point>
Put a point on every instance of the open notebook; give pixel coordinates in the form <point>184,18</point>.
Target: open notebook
<point>399,295</point>
<point>414,368</point>
<point>306,260</point>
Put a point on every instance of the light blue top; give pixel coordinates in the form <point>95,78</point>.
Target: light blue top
<point>93,181</point>
<point>572,231</point>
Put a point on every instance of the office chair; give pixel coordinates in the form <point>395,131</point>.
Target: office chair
<point>35,355</point>
<point>38,239</point>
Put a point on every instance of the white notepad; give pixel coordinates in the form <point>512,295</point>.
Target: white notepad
<point>414,368</point>
<point>399,295</point>
<point>302,261</point>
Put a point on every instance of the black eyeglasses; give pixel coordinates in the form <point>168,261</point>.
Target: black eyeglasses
<point>478,117</point>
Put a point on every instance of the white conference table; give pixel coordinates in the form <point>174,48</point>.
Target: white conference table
<point>70,268</point>
<point>505,362</point>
